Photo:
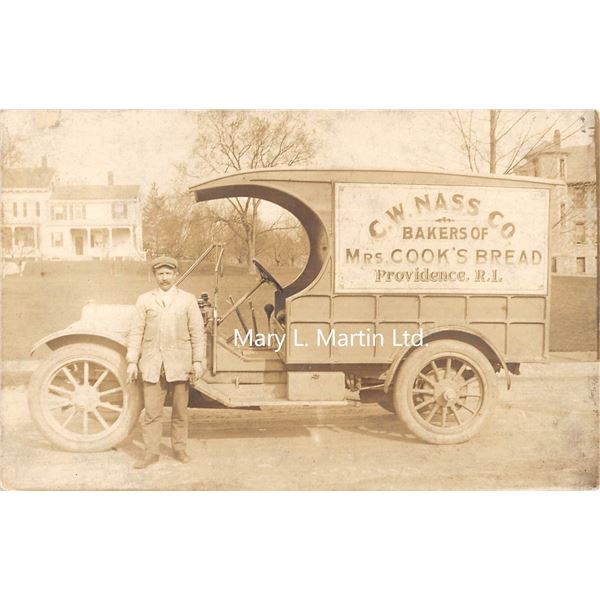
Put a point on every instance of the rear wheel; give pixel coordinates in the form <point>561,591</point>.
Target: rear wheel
<point>445,391</point>
<point>80,401</point>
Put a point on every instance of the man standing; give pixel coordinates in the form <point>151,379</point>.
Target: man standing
<point>167,337</point>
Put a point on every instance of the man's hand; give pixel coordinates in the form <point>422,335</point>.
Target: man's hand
<point>132,372</point>
<point>197,371</point>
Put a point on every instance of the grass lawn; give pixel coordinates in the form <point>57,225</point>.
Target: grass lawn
<point>36,305</point>
<point>50,296</point>
<point>573,303</point>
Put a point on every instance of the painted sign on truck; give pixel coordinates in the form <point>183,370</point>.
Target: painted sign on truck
<point>441,239</point>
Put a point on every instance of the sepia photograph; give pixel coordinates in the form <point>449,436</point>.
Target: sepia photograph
<point>299,300</point>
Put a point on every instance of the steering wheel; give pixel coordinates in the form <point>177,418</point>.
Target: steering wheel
<point>265,275</point>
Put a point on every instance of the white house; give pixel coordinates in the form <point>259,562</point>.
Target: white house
<point>25,196</point>
<point>42,219</point>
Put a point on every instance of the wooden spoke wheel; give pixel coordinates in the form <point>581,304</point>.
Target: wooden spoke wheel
<point>80,401</point>
<point>445,391</point>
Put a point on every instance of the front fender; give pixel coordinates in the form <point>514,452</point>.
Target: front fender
<point>106,324</point>
<point>465,334</point>
<point>58,339</point>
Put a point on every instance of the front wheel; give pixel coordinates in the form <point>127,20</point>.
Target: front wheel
<point>80,401</point>
<point>445,391</point>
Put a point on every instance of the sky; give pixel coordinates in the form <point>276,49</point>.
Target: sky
<point>142,146</point>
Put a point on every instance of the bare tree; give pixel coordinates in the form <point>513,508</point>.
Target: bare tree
<point>174,224</point>
<point>235,141</point>
<point>500,140</point>
<point>10,151</point>
<point>285,245</point>
<point>153,209</point>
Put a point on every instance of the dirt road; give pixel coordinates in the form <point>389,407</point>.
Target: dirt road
<point>544,434</point>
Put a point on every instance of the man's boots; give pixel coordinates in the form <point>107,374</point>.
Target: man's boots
<point>146,461</point>
<point>182,456</point>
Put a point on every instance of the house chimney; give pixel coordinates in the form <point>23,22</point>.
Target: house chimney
<point>111,179</point>
<point>44,162</point>
<point>556,138</point>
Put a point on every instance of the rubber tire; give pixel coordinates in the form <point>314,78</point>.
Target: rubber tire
<point>79,352</point>
<point>419,358</point>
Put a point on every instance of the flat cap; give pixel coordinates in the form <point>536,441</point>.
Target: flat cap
<point>164,261</point>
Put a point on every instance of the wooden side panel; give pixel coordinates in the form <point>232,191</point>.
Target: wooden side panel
<point>367,329</point>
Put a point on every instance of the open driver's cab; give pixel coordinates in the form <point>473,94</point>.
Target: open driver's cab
<point>258,375</point>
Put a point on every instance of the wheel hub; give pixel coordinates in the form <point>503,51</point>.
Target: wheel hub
<point>450,395</point>
<point>86,397</point>
<point>446,394</point>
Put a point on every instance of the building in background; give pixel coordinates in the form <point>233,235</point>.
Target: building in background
<point>574,241</point>
<point>25,197</point>
<point>43,219</point>
<point>94,221</point>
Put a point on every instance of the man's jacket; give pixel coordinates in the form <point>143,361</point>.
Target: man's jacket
<point>171,335</point>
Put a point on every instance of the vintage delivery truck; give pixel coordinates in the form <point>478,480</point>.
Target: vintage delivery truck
<point>432,287</point>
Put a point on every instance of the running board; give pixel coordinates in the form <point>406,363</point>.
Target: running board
<point>260,402</point>
<point>210,391</point>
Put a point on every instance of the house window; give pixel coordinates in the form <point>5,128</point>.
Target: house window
<point>78,212</point>
<point>57,239</point>
<point>581,264</point>
<point>59,213</point>
<point>24,209</point>
<point>580,233</point>
<point>37,209</point>
<point>554,265</point>
<point>7,237</point>
<point>98,239</point>
<point>563,215</point>
<point>562,168</point>
<point>578,196</point>
<point>15,209</point>
<point>24,237</point>
<point>119,210</point>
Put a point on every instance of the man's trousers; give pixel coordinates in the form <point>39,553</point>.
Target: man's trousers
<point>154,401</point>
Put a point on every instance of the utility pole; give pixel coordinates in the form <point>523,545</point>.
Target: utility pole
<point>493,123</point>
